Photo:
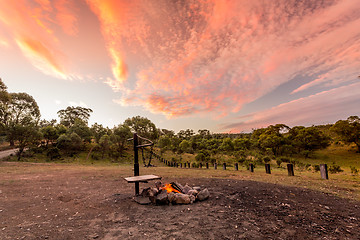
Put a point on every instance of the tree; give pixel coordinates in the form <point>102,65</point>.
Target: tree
<point>69,115</point>
<point>119,137</point>
<point>348,130</point>
<point>25,135</point>
<point>185,134</point>
<point>271,137</point>
<point>185,145</point>
<point>81,129</point>
<point>164,142</point>
<point>104,143</point>
<point>22,110</point>
<point>4,100</point>
<point>98,131</point>
<point>308,139</point>
<point>49,133</point>
<point>143,127</point>
<point>227,145</point>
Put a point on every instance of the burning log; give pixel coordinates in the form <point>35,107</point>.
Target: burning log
<point>173,193</point>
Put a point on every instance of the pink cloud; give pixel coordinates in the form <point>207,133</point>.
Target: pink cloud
<point>66,16</point>
<point>30,25</point>
<point>322,108</point>
<point>216,56</point>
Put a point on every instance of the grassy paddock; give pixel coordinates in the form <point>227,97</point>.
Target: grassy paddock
<point>342,184</point>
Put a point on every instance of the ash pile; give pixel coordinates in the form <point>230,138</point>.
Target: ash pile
<point>172,193</point>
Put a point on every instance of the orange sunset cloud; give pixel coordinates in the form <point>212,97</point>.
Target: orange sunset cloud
<point>182,58</point>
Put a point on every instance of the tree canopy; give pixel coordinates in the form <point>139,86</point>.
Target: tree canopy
<point>69,115</point>
<point>348,130</point>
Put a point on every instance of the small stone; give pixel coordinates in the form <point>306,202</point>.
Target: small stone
<point>192,198</point>
<point>94,236</point>
<point>193,192</point>
<point>142,200</point>
<point>182,198</point>
<point>186,189</point>
<point>197,188</point>
<point>171,196</point>
<point>203,195</point>
<point>162,198</point>
<point>158,185</point>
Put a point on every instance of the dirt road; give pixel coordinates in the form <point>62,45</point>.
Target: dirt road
<point>7,153</point>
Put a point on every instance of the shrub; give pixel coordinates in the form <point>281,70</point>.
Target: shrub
<point>285,159</point>
<point>335,168</point>
<point>266,159</point>
<point>200,157</point>
<point>278,162</point>
<point>53,153</point>
<point>354,170</point>
<point>316,168</point>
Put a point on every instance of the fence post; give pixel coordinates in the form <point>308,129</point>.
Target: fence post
<point>251,167</point>
<point>267,168</point>
<point>180,165</point>
<point>224,166</point>
<point>236,166</point>
<point>188,164</point>
<point>290,169</point>
<point>324,171</point>
<point>215,166</point>
<point>200,165</point>
<point>207,165</point>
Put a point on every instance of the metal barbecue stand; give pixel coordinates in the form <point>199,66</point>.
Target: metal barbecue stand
<point>144,178</point>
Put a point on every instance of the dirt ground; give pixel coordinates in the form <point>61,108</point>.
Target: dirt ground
<point>82,204</point>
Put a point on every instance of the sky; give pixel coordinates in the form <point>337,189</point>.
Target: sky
<point>223,65</point>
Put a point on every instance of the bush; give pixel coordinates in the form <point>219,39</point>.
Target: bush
<point>335,168</point>
<point>278,162</point>
<point>295,162</point>
<point>53,153</point>
<point>354,170</point>
<point>285,159</point>
<point>266,159</point>
<point>200,157</point>
<point>95,156</point>
<point>316,168</point>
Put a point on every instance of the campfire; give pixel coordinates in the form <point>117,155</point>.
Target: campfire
<point>172,193</point>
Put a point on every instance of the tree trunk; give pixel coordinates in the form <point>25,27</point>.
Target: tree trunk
<point>87,157</point>
<point>21,150</point>
<point>358,146</point>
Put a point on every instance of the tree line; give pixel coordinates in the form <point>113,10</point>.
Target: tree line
<point>20,124</point>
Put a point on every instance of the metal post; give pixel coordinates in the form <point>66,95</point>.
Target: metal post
<point>136,162</point>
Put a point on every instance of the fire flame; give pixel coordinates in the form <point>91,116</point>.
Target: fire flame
<point>169,188</point>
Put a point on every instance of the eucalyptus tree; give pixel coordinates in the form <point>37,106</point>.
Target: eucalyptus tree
<point>143,126</point>
<point>348,130</point>
<point>120,135</point>
<point>70,115</point>
<point>21,110</point>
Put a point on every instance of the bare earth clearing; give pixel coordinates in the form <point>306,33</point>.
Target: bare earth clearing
<point>46,201</point>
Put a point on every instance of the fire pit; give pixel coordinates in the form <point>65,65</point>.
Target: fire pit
<point>172,193</point>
